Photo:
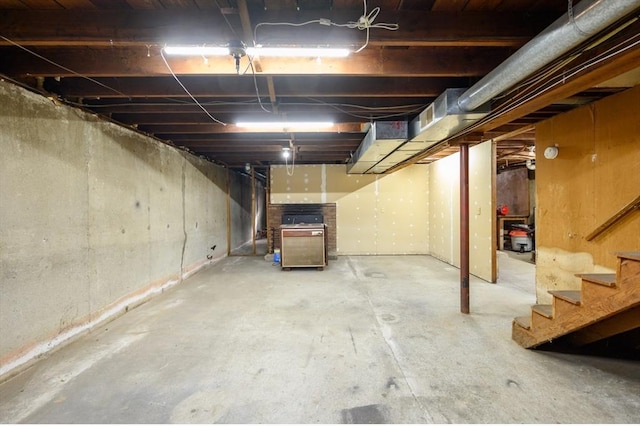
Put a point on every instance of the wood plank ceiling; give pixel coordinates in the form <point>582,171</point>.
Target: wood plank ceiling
<point>105,56</point>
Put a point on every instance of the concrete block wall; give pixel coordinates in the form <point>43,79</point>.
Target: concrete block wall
<point>94,218</point>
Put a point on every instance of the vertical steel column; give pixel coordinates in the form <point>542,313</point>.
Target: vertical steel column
<point>464,228</point>
<point>228,211</point>
<point>253,209</point>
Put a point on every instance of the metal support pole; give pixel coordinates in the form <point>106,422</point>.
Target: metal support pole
<point>228,211</point>
<point>464,228</point>
<point>253,209</point>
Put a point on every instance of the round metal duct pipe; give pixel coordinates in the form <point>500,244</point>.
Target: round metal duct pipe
<point>589,18</point>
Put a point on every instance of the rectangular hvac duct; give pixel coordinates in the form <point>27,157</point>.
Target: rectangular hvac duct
<point>392,159</point>
<point>440,120</point>
<point>383,138</point>
<point>443,118</point>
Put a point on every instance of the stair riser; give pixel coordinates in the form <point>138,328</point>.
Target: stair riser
<point>562,307</point>
<point>539,321</point>
<point>629,272</point>
<point>594,293</point>
<point>523,337</point>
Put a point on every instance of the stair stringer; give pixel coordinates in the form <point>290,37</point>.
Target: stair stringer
<point>598,302</point>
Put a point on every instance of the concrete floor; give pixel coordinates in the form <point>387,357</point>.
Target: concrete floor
<point>369,339</point>
<point>247,248</point>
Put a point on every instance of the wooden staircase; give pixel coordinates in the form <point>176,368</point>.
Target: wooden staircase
<point>607,304</point>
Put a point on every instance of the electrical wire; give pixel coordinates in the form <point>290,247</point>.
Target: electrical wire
<point>414,108</point>
<point>255,85</point>
<point>406,109</point>
<point>187,91</point>
<point>293,160</point>
<point>566,61</point>
<point>170,102</point>
<point>63,67</point>
<point>558,80</point>
<point>364,23</point>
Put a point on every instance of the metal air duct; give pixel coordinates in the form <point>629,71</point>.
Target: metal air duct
<point>457,109</point>
<point>439,120</point>
<point>382,138</point>
<point>589,17</point>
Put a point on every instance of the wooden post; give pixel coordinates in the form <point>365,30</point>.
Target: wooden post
<point>464,228</point>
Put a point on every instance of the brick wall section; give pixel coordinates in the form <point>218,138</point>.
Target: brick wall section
<point>328,212</point>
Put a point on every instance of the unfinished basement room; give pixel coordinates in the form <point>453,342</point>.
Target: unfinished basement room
<point>319,211</point>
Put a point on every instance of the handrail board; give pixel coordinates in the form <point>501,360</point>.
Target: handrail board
<point>633,205</point>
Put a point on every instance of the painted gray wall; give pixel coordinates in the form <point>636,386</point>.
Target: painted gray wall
<point>92,213</point>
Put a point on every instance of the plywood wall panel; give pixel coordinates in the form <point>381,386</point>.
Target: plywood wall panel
<point>403,224</point>
<point>375,214</point>
<point>482,220</point>
<point>304,186</point>
<point>341,185</point>
<point>595,174</point>
<point>356,218</point>
<point>444,210</point>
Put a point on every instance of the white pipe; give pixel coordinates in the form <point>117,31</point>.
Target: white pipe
<point>589,18</point>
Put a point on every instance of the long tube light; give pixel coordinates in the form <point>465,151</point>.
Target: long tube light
<point>289,52</point>
<point>285,124</point>
<point>298,52</point>
<point>196,51</point>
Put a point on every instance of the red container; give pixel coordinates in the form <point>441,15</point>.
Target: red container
<point>518,233</point>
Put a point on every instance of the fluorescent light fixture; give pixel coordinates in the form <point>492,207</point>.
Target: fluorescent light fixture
<point>285,124</point>
<point>298,52</point>
<point>196,50</point>
<point>281,52</point>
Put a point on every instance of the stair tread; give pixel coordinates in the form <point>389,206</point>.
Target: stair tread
<point>608,280</point>
<point>524,322</point>
<point>635,255</point>
<point>544,310</point>
<point>571,296</point>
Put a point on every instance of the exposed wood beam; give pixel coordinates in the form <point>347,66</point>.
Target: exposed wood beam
<point>196,117</point>
<point>160,107</point>
<point>140,28</point>
<point>272,95</point>
<point>315,138</point>
<point>513,133</point>
<point>133,61</point>
<point>277,149</point>
<point>247,31</point>
<point>218,128</point>
<point>243,87</point>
